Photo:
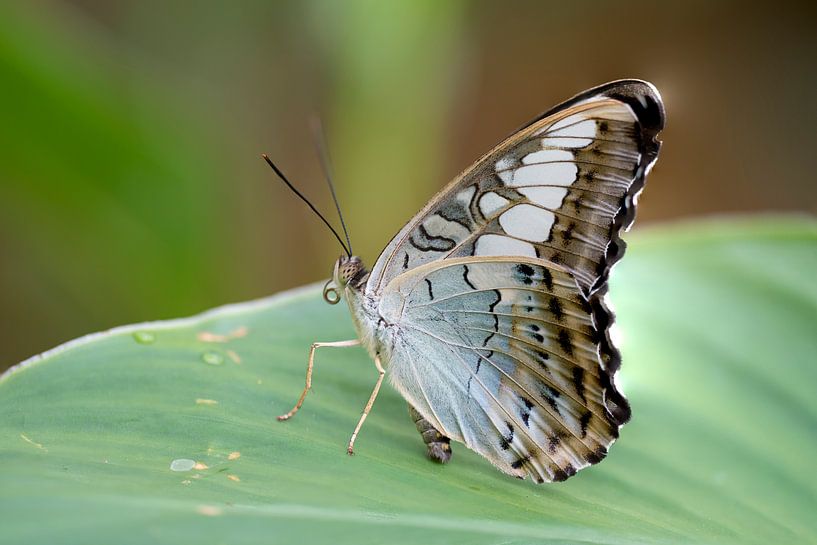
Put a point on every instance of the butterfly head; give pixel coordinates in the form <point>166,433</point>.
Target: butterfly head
<point>349,272</point>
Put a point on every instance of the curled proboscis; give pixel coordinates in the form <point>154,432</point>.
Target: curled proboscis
<point>330,293</point>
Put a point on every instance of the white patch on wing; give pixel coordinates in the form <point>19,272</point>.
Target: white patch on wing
<point>547,156</point>
<point>500,245</point>
<point>549,197</point>
<point>617,112</point>
<point>466,195</point>
<point>560,142</point>
<point>490,203</point>
<point>548,173</point>
<point>437,226</point>
<point>527,222</point>
<point>573,127</point>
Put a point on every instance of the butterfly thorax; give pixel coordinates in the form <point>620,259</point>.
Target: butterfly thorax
<point>349,282</point>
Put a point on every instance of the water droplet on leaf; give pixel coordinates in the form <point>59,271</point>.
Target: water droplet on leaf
<point>212,358</point>
<point>182,464</point>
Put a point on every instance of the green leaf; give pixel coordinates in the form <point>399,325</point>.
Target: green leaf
<point>718,325</point>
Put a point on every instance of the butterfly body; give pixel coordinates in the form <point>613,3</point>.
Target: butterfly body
<point>488,309</point>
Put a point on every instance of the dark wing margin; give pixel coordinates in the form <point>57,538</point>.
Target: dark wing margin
<point>646,103</point>
<point>648,107</point>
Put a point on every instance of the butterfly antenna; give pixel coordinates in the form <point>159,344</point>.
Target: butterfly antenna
<point>319,138</point>
<point>292,187</point>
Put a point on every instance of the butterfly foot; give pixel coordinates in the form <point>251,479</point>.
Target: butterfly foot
<point>350,450</point>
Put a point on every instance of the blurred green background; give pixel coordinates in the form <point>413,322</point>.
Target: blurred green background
<point>131,186</point>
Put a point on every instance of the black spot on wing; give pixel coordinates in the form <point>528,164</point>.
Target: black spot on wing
<point>596,456</point>
<point>555,307</point>
<point>465,277</point>
<point>578,382</point>
<point>584,420</point>
<point>496,318</point>
<point>520,462</point>
<point>578,204</point>
<point>476,370</point>
<point>430,291</point>
<point>567,234</point>
<point>559,475</point>
<point>533,333</point>
<point>495,303</point>
<point>405,261</point>
<point>525,273</point>
<point>553,442</point>
<point>524,414</point>
<point>550,394</point>
<point>505,441</point>
<point>541,357</point>
<point>547,278</point>
<point>479,362</point>
<point>565,342</point>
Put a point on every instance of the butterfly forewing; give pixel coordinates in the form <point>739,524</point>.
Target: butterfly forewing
<point>560,189</point>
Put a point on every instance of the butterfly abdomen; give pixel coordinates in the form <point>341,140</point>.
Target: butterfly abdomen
<point>439,446</point>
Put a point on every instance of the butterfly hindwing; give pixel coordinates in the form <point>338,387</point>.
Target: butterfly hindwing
<point>502,355</point>
<point>560,189</point>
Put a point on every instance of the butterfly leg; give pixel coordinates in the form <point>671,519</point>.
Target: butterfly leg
<point>315,346</point>
<point>439,446</point>
<point>368,407</point>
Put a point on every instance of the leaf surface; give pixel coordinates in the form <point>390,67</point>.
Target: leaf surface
<point>719,346</point>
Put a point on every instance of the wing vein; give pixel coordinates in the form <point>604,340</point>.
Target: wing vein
<point>571,161</point>
<point>535,371</point>
<point>526,317</point>
<point>557,418</point>
<point>484,290</point>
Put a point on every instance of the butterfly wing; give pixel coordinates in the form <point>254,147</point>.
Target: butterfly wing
<point>561,189</point>
<point>494,292</point>
<point>501,353</point>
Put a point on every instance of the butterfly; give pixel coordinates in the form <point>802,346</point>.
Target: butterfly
<point>487,310</point>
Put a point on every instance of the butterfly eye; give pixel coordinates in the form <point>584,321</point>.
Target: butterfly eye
<point>330,294</point>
